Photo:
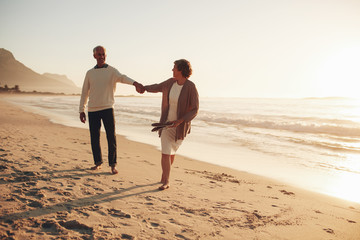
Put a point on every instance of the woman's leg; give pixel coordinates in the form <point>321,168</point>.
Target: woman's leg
<point>166,162</point>
<point>164,166</point>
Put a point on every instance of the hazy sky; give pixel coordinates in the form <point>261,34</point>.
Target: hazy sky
<point>238,48</point>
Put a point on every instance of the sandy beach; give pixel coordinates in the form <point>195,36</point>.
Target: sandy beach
<point>48,192</point>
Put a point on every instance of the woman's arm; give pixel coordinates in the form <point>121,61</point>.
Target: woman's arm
<point>158,87</point>
<point>193,107</point>
<point>154,88</point>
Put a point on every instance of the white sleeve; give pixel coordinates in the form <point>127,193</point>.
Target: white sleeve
<point>84,94</point>
<point>123,78</point>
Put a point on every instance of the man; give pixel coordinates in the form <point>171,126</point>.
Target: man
<point>99,88</point>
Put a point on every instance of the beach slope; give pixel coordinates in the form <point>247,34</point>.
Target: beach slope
<point>48,192</point>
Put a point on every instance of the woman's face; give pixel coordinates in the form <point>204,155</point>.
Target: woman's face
<point>176,72</point>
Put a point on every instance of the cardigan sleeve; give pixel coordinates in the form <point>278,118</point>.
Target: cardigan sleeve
<point>158,87</point>
<point>193,105</point>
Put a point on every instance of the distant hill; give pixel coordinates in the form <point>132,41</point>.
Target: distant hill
<point>13,72</point>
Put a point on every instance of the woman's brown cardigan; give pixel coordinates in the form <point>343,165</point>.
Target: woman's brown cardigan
<point>188,104</point>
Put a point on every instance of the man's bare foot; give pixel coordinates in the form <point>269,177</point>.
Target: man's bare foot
<point>114,170</point>
<point>96,167</point>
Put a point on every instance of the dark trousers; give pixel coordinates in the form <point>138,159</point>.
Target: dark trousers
<point>107,116</point>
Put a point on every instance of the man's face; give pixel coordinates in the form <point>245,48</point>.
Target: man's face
<point>100,56</point>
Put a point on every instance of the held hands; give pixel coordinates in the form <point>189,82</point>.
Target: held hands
<point>139,87</point>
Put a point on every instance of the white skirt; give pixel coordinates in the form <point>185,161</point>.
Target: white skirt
<point>168,144</point>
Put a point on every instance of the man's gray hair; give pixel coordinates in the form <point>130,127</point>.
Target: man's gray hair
<point>97,47</point>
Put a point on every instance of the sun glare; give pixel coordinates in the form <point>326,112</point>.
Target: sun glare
<point>339,74</point>
<point>343,187</point>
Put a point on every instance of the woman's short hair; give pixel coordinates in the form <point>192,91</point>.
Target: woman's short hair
<point>184,67</point>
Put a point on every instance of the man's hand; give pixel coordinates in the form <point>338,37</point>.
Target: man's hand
<point>139,87</point>
<point>82,117</point>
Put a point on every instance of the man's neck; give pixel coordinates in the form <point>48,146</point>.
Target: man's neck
<point>102,66</point>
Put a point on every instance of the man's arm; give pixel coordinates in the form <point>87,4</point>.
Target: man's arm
<point>84,98</point>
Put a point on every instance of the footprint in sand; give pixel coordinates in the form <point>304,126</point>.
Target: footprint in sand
<point>329,230</point>
<point>36,204</point>
<point>58,191</point>
<point>98,189</point>
<point>61,215</point>
<point>83,211</point>
<point>153,224</point>
<point>35,192</point>
<point>36,158</point>
<point>51,189</point>
<point>118,181</point>
<point>77,226</point>
<point>286,192</point>
<point>181,236</point>
<point>2,167</point>
<point>149,199</point>
<point>147,162</point>
<point>118,213</point>
<point>127,236</point>
<point>52,227</point>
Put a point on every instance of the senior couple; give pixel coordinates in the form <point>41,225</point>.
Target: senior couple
<point>180,104</point>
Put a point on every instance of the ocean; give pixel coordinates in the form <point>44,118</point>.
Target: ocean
<point>311,143</point>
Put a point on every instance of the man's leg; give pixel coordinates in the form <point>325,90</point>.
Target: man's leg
<point>109,124</point>
<point>95,125</point>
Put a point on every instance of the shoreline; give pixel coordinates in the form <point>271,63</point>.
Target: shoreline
<point>208,147</point>
<point>48,191</point>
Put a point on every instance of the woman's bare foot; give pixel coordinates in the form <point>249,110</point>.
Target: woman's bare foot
<point>163,187</point>
<point>96,167</point>
<point>114,170</point>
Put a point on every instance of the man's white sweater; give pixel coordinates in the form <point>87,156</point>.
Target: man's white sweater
<point>99,88</point>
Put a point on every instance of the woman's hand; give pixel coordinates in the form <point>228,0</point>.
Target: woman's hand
<point>177,123</point>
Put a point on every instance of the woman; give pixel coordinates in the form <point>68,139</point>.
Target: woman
<point>180,105</point>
